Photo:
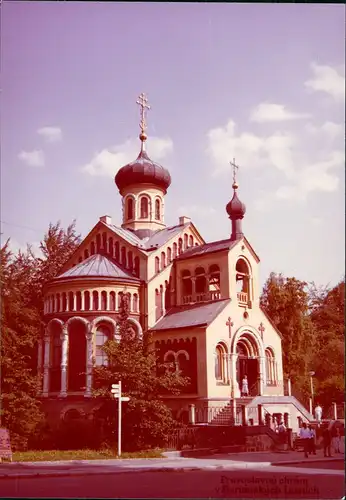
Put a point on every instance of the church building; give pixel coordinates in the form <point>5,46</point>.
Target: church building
<point>200,300</point>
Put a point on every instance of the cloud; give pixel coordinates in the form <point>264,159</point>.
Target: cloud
<point>196,210</point>
<point>327,79</point>
<point>224,144</point>
<point>305,166</point>
<point>330,130</point>
<point>33,158</point>
<point>108,161</point>
<point>269,112</point>
<point>50,134</point>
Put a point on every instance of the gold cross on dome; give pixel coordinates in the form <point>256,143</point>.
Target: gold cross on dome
<point>143,103</point>
<point>235,168</point>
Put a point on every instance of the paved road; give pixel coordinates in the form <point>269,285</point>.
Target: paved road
<point>271,482</point>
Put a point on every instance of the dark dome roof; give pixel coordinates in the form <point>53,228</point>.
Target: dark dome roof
<point>143,171</point>
<point>235,208</point>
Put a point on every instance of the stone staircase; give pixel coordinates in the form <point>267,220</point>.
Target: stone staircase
<point>225,415</point>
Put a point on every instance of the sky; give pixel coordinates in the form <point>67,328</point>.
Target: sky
<point>261,83</point>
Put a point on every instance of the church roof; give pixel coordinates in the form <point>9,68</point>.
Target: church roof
<point>215,246</point>
<point>97,266</point>
<point>156,240</point>
<point>143,171</point>
<point>191,315</point>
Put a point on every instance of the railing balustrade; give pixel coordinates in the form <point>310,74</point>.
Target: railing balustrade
<point>202,297</point>
<point>242,297</point>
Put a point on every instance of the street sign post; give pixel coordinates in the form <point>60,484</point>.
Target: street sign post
<point>116,391</point>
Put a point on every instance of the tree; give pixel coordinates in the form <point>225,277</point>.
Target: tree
<point>328,319</point>
<point>286,301</point>
<point>23,277</point>
<point>147,420</point>
<point>20,324</point>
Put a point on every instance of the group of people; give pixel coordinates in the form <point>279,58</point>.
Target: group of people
<point>333,439</point>
<point>308,434</point>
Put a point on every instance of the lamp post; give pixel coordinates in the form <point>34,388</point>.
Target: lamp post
<point>312,390</point>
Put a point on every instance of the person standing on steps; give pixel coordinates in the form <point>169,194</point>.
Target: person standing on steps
<point>244,386</point>
<point>318,414</point>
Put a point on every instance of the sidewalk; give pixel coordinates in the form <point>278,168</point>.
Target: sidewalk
<point>254,461</point>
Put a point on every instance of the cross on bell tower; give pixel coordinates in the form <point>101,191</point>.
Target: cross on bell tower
<point>144,106</point>
<point>235,168</point>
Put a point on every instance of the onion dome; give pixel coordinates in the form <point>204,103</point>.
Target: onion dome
<point>143,171</point>
<point>235,208</point>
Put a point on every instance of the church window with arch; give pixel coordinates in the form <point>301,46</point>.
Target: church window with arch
<point>103,333</point>
<point>243,276</point>
<point>144,207</point>
<point>130,209</point>
<point>271,367</point>
<point>157,209</point>
<point>220,363</point>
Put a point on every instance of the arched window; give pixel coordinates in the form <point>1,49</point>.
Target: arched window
<point>130,260</point>
<point>117,251</point>
<point>103,301</point>
<point>130,214</point>
<point>135,303</point>
<point>157,209</point>
<point>111,246</point>
<point>92,248</point>
<point>186,286</point>
<point>98,243</point>
<point>182,362</point>
<point>243,281</point>
<point>58,302</point>
<point>186,238</point>
<point>80,259</point>
<point>220,363</point>
<point>120,300</point>
<point>78,301</point>
<point>163,260</point>
<point>169,255</point>
<point>190,240</point>
<point>271,367</point>
<point>103,334</point>
<point>87,300</point>
<point>214,282</point>
<point>64,302</point>
<point>95,305</point>
<point>180,246</point>
<point>70,301</point>
<point>169,361</point>
<point>123,256</point>
<point>175,251</point>
<point>167,295</point>
<point>104,242</point>
<point>157,265</point>
<point>112,301</point>
<point>86,254</point>
<point>157,305</point>
<point>144,207</point>
<point>201,284</point>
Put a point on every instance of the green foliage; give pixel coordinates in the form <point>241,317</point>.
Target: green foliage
<point>84,454</point>
<point>23,277</point>
<point>311,321</point>
<point>20,327</point>
<point>147,420</point>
